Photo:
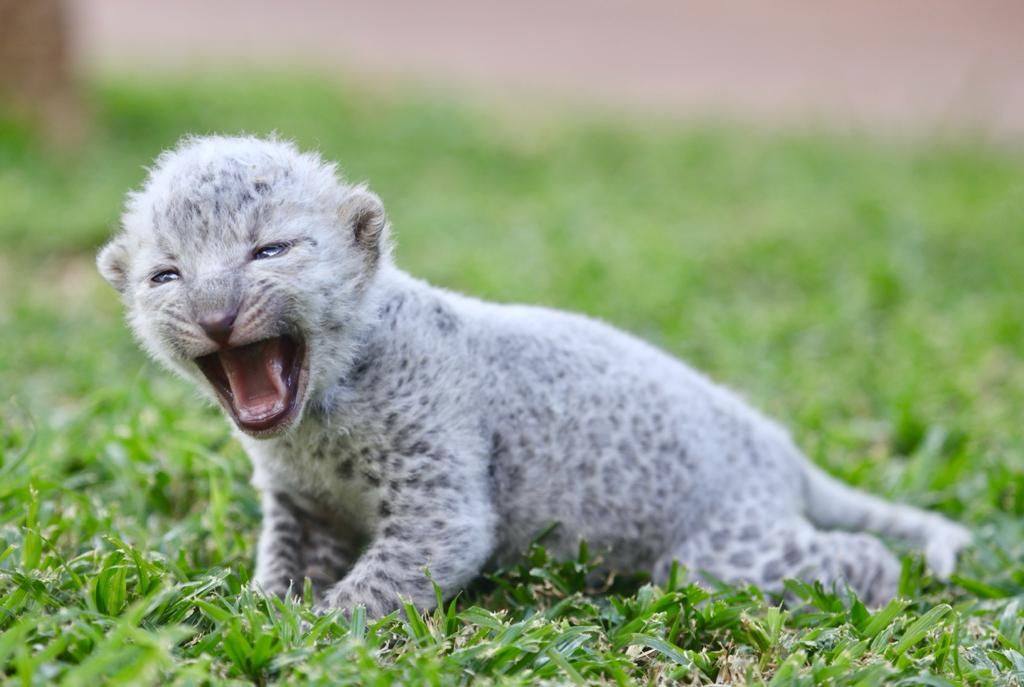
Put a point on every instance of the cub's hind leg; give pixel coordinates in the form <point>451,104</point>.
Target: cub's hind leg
<point>765,554</point>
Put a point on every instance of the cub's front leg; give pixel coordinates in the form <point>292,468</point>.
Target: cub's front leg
<point>436,525</point>
<point>296,543</point>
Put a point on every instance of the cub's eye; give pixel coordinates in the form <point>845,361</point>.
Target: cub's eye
<point>271,250</point>
<point>165,276</point>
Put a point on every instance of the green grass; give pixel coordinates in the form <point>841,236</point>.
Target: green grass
<point>868,295</point>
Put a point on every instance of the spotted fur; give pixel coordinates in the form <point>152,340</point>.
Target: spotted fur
<point>440,434</point>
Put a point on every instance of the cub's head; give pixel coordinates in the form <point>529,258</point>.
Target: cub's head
<point>244,265</point>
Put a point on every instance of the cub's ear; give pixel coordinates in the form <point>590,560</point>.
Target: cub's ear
<point>112,262</point>
<point>362,213</point>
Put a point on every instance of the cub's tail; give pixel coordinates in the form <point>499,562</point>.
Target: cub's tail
<point>831,504</point>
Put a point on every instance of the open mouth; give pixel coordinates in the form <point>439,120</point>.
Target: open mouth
<point>258,382</point>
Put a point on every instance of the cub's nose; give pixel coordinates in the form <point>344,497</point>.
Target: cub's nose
<point>219,325</point>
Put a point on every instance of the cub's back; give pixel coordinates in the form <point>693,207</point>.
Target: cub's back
<point>600,431</point>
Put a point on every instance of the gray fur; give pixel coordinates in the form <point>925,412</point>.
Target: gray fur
<point>438,432</point>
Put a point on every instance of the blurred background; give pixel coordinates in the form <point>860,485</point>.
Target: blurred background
<point>821,204</point>
<point>915,66</point>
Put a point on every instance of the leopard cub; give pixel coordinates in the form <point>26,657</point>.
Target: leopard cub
<point>397,428</point>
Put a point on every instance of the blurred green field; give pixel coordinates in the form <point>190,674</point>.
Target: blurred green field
<point>867,294</point>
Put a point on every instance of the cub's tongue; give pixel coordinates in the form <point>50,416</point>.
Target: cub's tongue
<point>256,374</point>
